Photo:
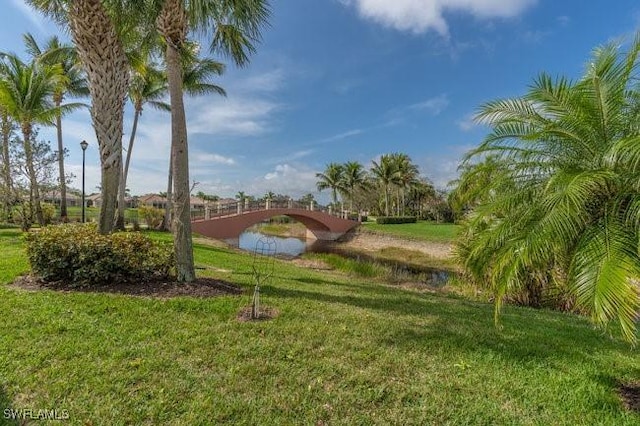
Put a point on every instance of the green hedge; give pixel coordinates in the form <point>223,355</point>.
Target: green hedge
<point>388,220</point>
<point>79,254</point>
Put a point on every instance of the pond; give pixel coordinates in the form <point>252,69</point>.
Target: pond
<point>293,247</point>
<point>287,246</point>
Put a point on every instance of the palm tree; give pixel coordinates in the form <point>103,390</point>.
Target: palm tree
<point>355,178</point>
<point>7,128</point>
<point>235,27</point>
<point>100,29</point>
<point>571,210</point>
<point>408,174</point>
<point>148,86</point>
<point>26,94</point>
<point>387,174</point>
<point>72,83</point>
<point>332,178</point>
<point>197,73</point>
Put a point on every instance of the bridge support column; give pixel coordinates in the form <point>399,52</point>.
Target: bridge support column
<point>219,207</point>
<point>239,208</point>
<point>246,204</point>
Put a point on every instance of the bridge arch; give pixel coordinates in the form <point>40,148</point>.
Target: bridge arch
<point>320,225</point>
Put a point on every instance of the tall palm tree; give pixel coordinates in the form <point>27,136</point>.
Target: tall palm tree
<point>408,174</point>
<point>332,178</point>
<point>196,81</point>
<point>7,127</point>
<point>234,27</point>
<point>386,174</point>
<point>354,178</point>
<point>571,211</point>
<point>148,85</point>
<point>99,29</point>
<point>72,83</point>
<point>26,94</point>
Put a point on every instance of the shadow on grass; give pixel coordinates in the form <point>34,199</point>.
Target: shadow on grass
<point>467,327</point>
<point>6,409</point>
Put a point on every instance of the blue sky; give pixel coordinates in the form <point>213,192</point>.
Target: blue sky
<point>342,80</point>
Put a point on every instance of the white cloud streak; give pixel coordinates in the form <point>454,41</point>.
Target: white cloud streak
<point>420,16</point>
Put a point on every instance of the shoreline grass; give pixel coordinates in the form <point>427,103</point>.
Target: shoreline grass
<point>342,351</point>
<point>419,231</point>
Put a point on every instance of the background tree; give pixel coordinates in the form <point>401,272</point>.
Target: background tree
<point>148,86</point>
<point>100,29</point>
<point>72,82</point>
<point>354,178</point>
<point>386,174</point>
<point>26,93</point>
<point>332,178</point>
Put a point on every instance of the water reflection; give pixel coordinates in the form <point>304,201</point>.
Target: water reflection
<point>287,246</point>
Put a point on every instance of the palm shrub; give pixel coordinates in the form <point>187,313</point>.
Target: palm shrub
<point>564,210</point>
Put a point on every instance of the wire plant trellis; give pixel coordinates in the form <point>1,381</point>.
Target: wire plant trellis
<point>262,266</point>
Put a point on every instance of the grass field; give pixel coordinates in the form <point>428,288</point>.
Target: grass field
<point>423,230</point>
<point>342,351</point>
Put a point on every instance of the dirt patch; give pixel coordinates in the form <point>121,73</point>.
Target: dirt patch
<point>374,242</point>
<point>266,313</point>
<point>202,287</point>
<point>630,395</point>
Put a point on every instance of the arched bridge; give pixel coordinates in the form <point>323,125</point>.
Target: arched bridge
<point>228,221</point>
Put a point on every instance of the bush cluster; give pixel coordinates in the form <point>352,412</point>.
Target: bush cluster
<point>79,254</point>
<point>388,220</point>
<point>153,216</point>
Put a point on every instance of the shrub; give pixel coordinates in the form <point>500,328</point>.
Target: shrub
<point>152,216</point>
<point>79,254</point>
<point>388,220</point>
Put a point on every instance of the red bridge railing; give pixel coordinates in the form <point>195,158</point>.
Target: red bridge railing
<point>215,209</point>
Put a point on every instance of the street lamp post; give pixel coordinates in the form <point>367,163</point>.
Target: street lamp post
<point>84,146</point>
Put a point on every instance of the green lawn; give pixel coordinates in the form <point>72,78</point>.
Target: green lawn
<point>423,230</point>
<point>342,351</point>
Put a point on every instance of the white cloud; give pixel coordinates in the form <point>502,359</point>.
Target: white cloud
<point>210,157</point>
<point>343,135</point>
<point>239,116</point>
<point>420,16</point>
<point>285,179</point>
<point>266,82</point>
<point>466,123</point>
<point>433,105</point>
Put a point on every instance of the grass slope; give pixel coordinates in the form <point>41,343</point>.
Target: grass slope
<point>423,230</point>
<point>341,352</point>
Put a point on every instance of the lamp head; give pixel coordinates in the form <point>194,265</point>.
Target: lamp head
<point>84,145</point>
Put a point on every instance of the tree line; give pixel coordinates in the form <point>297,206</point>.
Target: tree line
<point>136,49</point>
<point>392,186</point>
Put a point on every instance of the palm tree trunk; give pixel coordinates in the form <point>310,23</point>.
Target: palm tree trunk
<point>123,183</point>
<point>386,201</point>
<point>105,62</point>
<point>33,179</point>
<point>62,177</point>
<point>6,163</point>
<point>172,23</point>
<point>168,206</point>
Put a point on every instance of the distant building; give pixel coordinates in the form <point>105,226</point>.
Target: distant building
<point>55,198</point>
